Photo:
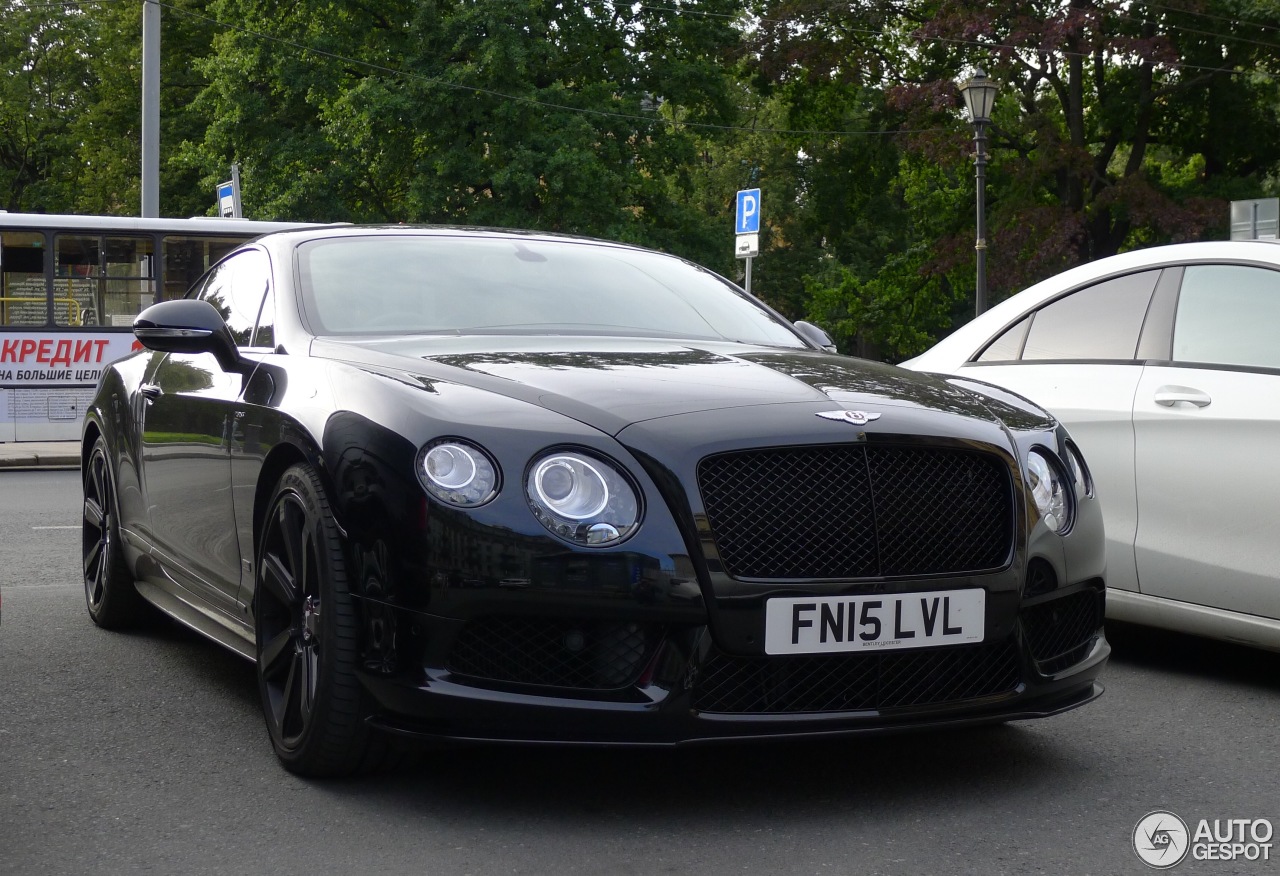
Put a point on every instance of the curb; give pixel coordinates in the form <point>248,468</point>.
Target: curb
<point>40,461</point>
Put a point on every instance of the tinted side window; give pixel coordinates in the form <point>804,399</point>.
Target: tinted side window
<point>216,289</point>
<point>1228,315</point>
<point>236,288</point>
<point>1102,321</point>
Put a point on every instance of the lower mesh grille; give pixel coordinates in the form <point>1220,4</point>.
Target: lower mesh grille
<point>855,682</point>
<point>1060,632</point>
<point>581,654</point>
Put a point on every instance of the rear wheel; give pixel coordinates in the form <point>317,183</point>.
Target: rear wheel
<point>306,633</point>
<point>109,593</point>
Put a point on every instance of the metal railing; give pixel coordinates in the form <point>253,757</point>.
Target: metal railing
<point>74,311</point>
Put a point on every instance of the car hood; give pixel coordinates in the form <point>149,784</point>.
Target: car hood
<point>612,383</point>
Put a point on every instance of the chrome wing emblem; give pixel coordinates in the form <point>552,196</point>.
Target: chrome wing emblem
<point>853,418</point>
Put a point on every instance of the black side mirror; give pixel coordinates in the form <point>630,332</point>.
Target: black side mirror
<point>188,326</point>
<point>815,335</point>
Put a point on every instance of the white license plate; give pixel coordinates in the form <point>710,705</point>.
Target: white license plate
<point>820,625</point>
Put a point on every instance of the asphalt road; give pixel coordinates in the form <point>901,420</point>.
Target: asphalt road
<point>146,753</point>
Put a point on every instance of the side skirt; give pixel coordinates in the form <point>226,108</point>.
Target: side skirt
<point>1198,620</point>
<point>204,620</point>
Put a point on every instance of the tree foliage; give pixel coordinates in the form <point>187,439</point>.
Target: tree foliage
<point>1120,123</point>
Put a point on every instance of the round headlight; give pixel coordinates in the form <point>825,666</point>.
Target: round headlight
<point>581,498</point>
<point>457,473</point>
<point>1049,490</point>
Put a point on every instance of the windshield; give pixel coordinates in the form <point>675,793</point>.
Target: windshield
<point>400,283</point>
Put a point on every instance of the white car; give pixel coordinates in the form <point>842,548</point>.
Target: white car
<point>1165,365</point>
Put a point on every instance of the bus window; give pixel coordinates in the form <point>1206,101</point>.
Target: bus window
<point>23,300</point>
<point>186,258</point>
<point>101,281</point>
<point>70,288</point>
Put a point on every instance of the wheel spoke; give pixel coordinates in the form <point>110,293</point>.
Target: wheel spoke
<point>92,561</point>
<point>95,474</point>
<point>290,698</point>
<point>279,581</point>
<point>290,529</point>
<point>307,688</point>
<point>276,653</point>
<point>95,547</point>
<point>93,513</point>
<point>94,586</point>
<point>279,704</point>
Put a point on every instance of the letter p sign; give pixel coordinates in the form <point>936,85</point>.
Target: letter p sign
<point>748,218</point>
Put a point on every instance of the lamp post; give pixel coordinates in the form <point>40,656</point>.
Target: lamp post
<point>979,97</point>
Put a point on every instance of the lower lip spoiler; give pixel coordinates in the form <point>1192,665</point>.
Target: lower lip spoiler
<point>1039,709</point>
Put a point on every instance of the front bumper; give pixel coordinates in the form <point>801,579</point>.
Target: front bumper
<point>688,690</point>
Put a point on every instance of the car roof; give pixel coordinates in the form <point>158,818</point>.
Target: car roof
<point>294,237</point>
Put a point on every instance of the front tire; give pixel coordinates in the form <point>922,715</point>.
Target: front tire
<point>109,594</point>
<point>306,633</point>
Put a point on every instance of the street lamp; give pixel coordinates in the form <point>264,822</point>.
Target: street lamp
<point>979,97</point>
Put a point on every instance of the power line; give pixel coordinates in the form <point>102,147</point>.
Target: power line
<point>62,4</point>
<point>1210,16</point>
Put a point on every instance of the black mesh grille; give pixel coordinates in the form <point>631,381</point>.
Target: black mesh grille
<point>1059,632</point>
<point>855,682</point>
<point>582,654</point>
<point>853,511</point>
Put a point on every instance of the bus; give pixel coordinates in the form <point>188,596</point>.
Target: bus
<point>70,287</point>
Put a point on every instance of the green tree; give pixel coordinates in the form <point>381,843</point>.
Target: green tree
<point>851,246</point>
<point>71,107</point>
<point>44,66</point>
<point>1111,128</point>
<point>1110,132</point>
<point>564,117</point>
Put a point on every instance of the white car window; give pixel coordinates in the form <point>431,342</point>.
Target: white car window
<point>1228,315</point>
<point>1100,322</point>
<point>1008,346</point>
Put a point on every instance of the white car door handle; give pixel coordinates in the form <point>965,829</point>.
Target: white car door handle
<point>1172,395</point>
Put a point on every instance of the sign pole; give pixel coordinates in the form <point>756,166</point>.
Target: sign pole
<point>746,227</point>
<point>235,189</point>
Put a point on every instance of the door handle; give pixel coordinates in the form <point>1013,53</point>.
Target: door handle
<point>1168,396</point>
<point>150,390</point>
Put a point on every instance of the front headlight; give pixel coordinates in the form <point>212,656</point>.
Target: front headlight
<point>1049,489</point>
<point>457,473</point>
<point>582,498</point>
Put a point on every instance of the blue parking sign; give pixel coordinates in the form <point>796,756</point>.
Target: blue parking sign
<point>748,216</point>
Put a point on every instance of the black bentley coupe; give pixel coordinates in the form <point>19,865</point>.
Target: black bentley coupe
<point>493,485</point>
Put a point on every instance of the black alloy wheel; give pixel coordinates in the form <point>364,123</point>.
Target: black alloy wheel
<point>109,593</point>
<point>306,634</point>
